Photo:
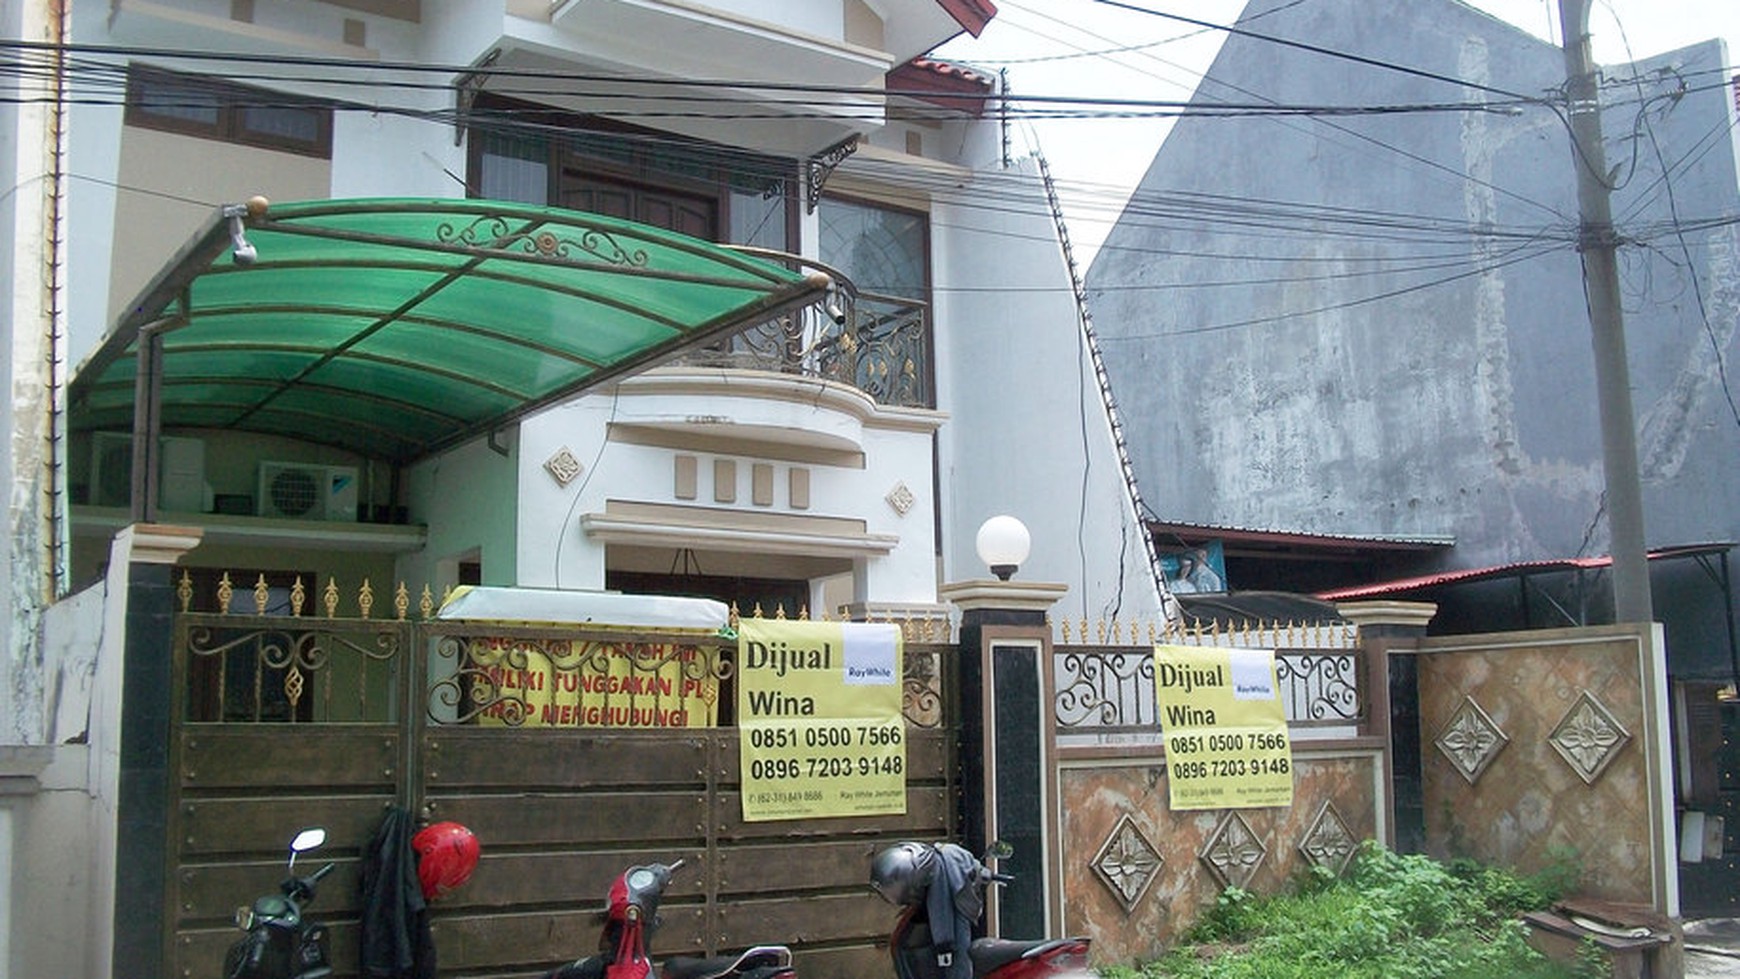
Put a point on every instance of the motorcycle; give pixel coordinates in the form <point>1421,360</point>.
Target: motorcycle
<point>280,943</point>
<point>932,936</point>
<point>631,916</point>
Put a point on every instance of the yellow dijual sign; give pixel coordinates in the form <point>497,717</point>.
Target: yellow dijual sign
<point>1226,733</point>
<point>819,721</point>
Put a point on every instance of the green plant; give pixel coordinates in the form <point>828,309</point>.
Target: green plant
<point>1392,916</point>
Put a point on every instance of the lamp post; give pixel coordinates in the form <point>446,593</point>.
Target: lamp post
<point>1007,738</point>
<point>1003,543</point>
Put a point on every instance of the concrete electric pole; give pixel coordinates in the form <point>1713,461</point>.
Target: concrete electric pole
<point>1598,244</point>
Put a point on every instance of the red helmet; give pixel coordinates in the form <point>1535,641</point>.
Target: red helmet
<point>446,856</point>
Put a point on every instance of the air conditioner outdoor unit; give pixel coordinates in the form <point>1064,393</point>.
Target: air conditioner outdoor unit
<point>180,472</point>
<point>304,491</point>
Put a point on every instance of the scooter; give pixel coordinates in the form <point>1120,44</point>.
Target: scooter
<point>631,916</point>
<point>941,889</point>
<point>279,943</point>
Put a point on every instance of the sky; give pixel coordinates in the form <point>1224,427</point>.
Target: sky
<point>1094,48</point>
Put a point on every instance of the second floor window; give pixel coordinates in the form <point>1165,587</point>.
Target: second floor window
<point>211,108</point>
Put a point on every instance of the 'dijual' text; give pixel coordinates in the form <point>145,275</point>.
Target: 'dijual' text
<point>1187,678</point>
<point>780,657</point>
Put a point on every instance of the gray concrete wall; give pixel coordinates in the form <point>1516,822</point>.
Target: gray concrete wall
<point>1305,332</point>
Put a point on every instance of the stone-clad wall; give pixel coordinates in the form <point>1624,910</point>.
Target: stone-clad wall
<point>1547,743</point>
<point>1123,841</point>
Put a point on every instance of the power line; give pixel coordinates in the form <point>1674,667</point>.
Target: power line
<point>1346,304</point>
<point>1318,49</point>
<point>1204,80</point>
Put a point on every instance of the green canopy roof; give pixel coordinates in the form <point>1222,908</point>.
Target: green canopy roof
<point>397,328</point>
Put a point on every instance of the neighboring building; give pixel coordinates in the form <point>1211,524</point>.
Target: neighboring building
<point>1375,325</point>
<point>1362,339</point>
<point>845,468</point>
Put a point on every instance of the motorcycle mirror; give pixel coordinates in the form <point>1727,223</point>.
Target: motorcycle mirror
<point>999,850</point>
<point>308,839</point>
<point>244,918</point>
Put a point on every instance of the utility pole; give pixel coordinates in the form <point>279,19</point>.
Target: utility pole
<point>1597,244</point>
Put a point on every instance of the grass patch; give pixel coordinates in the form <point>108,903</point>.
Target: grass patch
<point>1390,917</point>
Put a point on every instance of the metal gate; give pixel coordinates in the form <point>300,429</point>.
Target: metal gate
<point>282,722</point>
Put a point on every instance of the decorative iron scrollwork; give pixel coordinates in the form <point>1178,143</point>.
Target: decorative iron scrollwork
<point>496,232</point>
<point>821,166</point>
<point>1321,686</point>
<point>921,691</point>
<point>280,646</point>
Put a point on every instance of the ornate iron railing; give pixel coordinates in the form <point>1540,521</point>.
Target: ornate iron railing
<point>879,344</point>
<point>1110,690</point>
<point>314,665</point>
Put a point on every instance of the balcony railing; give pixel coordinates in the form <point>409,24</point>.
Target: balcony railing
<point>876,343</point>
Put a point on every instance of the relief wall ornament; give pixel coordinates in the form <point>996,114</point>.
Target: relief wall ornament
<point>1328,843</point>
<point>1127,863</point>
<point>563,467</point>
<point>1233,853</point>
<point>1589,737</point>
<point>900,499</point>
<point>1471,740</point>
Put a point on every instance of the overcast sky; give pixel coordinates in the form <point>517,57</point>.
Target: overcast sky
<point>1089,48</point>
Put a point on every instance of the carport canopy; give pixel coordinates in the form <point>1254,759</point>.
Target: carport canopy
<point>396,328</point>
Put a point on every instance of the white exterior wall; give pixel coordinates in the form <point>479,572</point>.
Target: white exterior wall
<point>1029,434</point>
<point>466,497</point>
<point>556,551</point>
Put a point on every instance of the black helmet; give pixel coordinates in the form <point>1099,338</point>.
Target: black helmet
<point>901,873</point>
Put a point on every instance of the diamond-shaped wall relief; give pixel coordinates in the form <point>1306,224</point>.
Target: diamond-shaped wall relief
<point>1589,737</point>
<point>1233,853</point>
<point>1471,740</point>
<point>901,499</point>
<point>562,466</point>
<point>1127,863</point>
<point>1328,843</point>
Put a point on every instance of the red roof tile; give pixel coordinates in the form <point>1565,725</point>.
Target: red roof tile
<point>970,14</point>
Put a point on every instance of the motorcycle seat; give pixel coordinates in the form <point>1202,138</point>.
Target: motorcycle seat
<point>994,953</point>
<point>764,960</point>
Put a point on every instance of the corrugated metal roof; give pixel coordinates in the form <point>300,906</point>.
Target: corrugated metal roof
<point>1399,586</point>
<point>1256,534</point>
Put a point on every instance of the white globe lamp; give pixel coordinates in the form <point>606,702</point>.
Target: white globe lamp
<point>1003,543</point>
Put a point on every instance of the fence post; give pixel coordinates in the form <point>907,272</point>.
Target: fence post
<point>1008,746</point>
<point>1388,632</point>
<point>133,752</point>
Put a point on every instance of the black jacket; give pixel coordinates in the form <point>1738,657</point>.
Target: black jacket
<point>396,941</point>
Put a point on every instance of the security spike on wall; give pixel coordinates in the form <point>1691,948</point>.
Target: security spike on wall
<point>401,601</point>
<point>426,603</point>
<point>262,595</point>
<point>225,590</point>
<point>329,597</point>
<point>365,598</point>
<point>184,590</point>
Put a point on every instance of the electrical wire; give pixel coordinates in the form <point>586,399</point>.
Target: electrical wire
<point>1261,220</point>
<point>1202,81</point>
<point>1689,268</point>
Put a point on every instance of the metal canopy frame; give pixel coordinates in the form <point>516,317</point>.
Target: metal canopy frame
<point>398,328</point>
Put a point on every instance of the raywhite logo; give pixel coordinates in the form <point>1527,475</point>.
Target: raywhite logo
<point>1253,674</point>
<point>869,653</point>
